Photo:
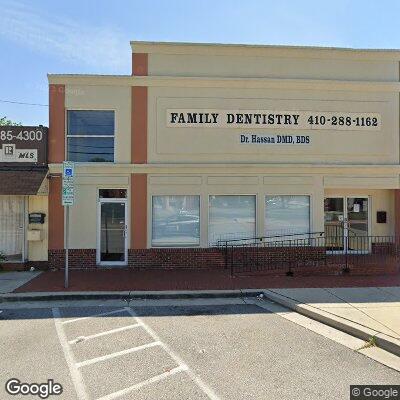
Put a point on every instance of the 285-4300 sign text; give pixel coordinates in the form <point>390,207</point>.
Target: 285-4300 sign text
<point>23,135</point>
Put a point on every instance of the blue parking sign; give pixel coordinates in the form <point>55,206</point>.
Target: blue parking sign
<point>68,196</point>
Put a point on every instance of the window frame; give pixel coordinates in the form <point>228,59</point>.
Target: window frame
<point>255,195</point>
<point>310,214</point>
<point>67,136</point>
<point>173,245</point>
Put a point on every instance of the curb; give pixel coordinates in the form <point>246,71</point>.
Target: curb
<point>133,295</point>
<point>385,342</point>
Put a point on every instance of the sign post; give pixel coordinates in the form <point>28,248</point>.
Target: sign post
<point>68,199</point>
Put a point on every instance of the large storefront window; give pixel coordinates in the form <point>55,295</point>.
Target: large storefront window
<point>285,215</point>
<point>90,136</point>
<point>176,221</point>
<point>231,217</point>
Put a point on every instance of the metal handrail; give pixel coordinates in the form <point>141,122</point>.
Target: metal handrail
<point>313,248</point>
<point>227,242</point>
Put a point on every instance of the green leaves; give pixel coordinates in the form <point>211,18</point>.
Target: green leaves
<point>5,121</point>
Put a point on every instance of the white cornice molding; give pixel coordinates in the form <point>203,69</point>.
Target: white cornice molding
<point>243,83</point>
<point>249,50</point>
<point>369,170</point>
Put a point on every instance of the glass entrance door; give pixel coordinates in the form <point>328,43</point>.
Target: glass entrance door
<point>334,223</point>
<point>357,221</point>
<point>112,247</point>
<point>347,224</point>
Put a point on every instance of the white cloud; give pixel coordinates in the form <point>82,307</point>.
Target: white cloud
<point>64,38</point>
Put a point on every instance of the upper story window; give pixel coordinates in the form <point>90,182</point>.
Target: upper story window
<point>90,136</point>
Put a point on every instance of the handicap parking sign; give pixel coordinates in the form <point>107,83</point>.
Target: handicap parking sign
<point>68,169</point>
<point>68,197</point>
<point>68,172</point>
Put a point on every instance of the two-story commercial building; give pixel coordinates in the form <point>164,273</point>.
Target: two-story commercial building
<point>206,142</point>
<point>23,197</point>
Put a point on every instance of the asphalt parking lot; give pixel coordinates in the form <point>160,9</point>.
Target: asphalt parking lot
<point>225,350</point>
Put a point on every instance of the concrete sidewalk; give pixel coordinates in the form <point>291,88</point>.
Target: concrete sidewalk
<point>362,310</point>
<point>126,279</point>
<point>10,281</point>
<point>372,312</point>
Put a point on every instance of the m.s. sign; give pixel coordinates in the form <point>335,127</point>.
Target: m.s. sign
<point>23,144</point>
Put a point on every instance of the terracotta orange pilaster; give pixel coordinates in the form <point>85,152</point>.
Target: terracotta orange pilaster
<point>56,140</point>
<point>140,64</point>
<point>138,211</point>
<point>139,125</point>
<point>56,215</point>
<point>139,154</point>
<point>397,213</point>
<point>56,153</point>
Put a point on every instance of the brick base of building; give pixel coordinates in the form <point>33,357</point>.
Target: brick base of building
<point>171,258</point>
<point>8,266</point>
<point>77,258</point>
<point>144,258</point>
<point>25,266</point>
<point>214,258</point>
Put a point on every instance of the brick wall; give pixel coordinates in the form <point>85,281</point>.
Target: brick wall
<point>145,258</point>
<point>38,265</point>
<point>249,259</point>
<point>8,266</point>
<point>169,258</point>
<point>274,261</point>
<point>78,258</point>
<point>310,260</point>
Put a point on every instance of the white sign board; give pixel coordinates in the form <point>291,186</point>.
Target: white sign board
<point>8,153</point>
<point>68,176</point>
<point>273,119</point>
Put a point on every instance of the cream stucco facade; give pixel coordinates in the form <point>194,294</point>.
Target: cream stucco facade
<point>204,160</point>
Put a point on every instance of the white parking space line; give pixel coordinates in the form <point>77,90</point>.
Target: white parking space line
<point>74,367</point>
<point>117,354</point>
<point>69,357</point>
<point>93,316</point>
<point>139,385</point>
<point>110,332</point>
<point>199,382</point>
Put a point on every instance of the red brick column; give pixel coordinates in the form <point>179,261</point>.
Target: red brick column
<point>139,125</point>
<point>140,64</point>
<point>138,211</point>
<point>56,142</point>
<point>56,215</point>
<point>139,154</point>
<point>56,154</point>
<point>397,213</point>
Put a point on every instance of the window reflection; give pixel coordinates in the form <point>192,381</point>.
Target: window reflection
<point>285,215</point>
<point>176,220</point>
<point>90,135</point>
<point>231,217</point>
<point>87,149</point>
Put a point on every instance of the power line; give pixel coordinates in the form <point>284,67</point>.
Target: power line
<point>26,104</point>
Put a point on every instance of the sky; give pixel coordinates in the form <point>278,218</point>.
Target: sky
<point>38,37</point>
